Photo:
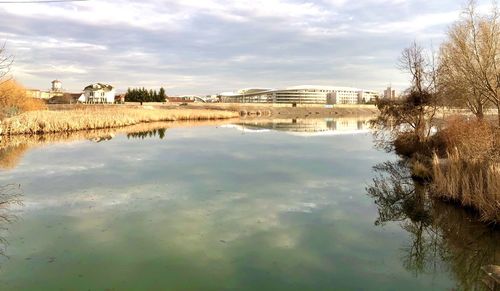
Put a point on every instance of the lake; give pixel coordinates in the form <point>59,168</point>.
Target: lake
<point>231,205</point>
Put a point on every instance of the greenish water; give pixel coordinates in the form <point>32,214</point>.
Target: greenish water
<point>256,206</point>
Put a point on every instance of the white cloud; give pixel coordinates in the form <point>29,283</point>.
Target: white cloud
<point>416,24</point>
<point>209,46</point>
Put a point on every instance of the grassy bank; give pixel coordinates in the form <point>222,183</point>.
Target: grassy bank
<point>473,184</point>
<point>40,122</point>
<point>466,165</point>
<point>461,163</point>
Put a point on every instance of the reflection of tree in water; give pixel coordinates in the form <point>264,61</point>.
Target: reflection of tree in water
<point>11,155</point>
<point>160,132</point>
<point>10,195</point>
<point>442,237</point>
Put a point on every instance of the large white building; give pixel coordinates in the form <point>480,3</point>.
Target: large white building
<point>301,95</point>
<point>99,93</point>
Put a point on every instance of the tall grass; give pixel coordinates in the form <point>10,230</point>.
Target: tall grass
<point>474,184</point>
<point>39,122</point>
<point>470,171</point>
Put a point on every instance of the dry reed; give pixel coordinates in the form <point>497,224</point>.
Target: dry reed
<point>474,184</point>
<point>40,122</point>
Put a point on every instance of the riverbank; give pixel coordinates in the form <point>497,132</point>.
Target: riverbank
<point>253,109</point>
<point>460,162</point>
<point>90,118</point>
<point>288,111</point>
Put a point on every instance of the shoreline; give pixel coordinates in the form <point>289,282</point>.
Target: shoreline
<point>92,118</point>
<point>81,117</point>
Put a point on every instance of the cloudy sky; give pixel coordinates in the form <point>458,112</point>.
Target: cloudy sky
<point>209,46</point>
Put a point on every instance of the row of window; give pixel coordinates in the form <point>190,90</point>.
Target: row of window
<point>96,94</point>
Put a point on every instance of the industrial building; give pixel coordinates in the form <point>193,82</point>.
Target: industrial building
<point>301,95</point>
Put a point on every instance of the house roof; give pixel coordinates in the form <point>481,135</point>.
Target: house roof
<point>99,86</point>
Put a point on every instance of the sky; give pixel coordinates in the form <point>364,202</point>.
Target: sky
<point>211,46</point>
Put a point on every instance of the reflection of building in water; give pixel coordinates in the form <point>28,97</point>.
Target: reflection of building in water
<point>329,126</point>
<point>103,138</point>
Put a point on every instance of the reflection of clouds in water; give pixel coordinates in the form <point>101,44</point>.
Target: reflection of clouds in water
<point>87,200</point>
<point>57,169</point>
<point>186,222</point>
<point>205,197</point>
<point>306,207</point>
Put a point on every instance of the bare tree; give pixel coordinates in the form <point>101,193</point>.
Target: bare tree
<point>6,61</point>
<point>469,60</point>
<point>414,62</point>
<point>412,116</point>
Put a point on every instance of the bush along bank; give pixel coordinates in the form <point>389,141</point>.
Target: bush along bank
<point>459,161</point>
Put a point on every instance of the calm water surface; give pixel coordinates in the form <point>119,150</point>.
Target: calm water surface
<point>258,206</point>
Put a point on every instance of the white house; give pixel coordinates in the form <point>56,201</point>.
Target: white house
<point>99,93</point>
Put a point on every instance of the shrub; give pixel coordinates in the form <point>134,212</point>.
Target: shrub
<point>474,140</point>
<point>420,171</point>
<point>13,100</point>
<point>407,144</point>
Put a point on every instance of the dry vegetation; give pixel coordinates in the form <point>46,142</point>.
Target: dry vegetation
<point>13,147</point>
<point>13,100</point>
<point>462,159</point>
<point>470,172</point>
<point>39,122</point>
<point>472,184</point>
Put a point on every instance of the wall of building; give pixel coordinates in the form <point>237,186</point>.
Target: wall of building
<point>99,96</point>
<point>303,96</point>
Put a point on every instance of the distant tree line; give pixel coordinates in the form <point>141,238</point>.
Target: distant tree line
<point>144,95</point>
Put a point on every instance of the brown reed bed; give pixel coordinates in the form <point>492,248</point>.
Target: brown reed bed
<point>42,122</point>
<point>471,183</point>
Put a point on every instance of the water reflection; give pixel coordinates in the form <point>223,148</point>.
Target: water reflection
<point>10,195</point>
<point>308,127</point>
<point>160,132</point>
<point>442,237</point>
<point>13,148</point>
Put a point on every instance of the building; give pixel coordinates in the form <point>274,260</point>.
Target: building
<point>301,95</point>
<point>99,93</point>
<point>35,93</point>
<point>56,90</point>
<point>65,98</point>
<point>120,99</point>
<point>179,99</point>
<point>56,86</point>
<point>390,93</point>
